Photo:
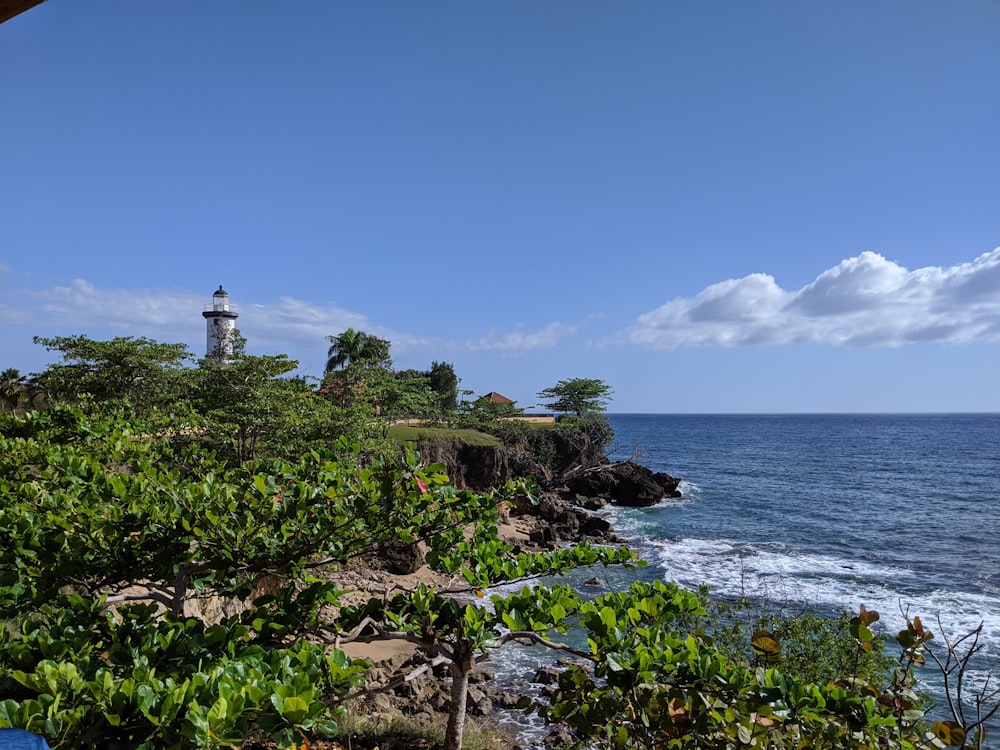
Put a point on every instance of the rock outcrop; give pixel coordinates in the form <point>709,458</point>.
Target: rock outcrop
<point>546,455</point>
<point>624,483</point>
<point>565,513</point>
<point>474,467</point>
<point>575,475</point>
<point>553,520</point>
<point>429,693</point>
<point>577,480</point>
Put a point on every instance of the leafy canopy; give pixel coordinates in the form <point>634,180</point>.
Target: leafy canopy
<point>578,396</point>
<point>140,370</point>
<point>357,347</point>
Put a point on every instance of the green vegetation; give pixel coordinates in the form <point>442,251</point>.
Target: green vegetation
<point>17,392</point>
<point>358,348</point>
<point>169,531</point>
<point>580,397</point>
<point>402,434</point>
<point>659,681</point>
<point>141,371</point>
<point>107,527</point>
<point>819,649</point>
<point>363,731</point>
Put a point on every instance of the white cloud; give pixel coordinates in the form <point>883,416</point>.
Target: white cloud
<point>519,340</point>
<point>863,301</point>
<point>174,314</point>
<point>289,325</point>
<point>81,303</point>
<point>296,323</point>
<point>302,323</point>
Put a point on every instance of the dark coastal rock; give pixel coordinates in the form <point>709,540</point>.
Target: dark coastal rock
<point>474,467</point>
<point>401,559</point>
<point>429,694</point>
<point>578,478</point>
<point>589,503</point>
<point>555,520</point>
<point>546,676</point>
<point>624,483</point>
<point>559,737</point>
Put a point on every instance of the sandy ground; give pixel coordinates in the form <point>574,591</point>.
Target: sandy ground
<point>367,583</point>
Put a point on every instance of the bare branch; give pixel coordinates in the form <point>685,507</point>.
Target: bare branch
<point>527,635</point>
<point>955,667</point>
<point>148,596</point>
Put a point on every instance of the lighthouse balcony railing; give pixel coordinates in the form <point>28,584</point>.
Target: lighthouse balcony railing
<point>221,308</point>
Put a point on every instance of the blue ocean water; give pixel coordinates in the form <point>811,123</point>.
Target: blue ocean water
<point>896,512</point>
<point>821,512</point>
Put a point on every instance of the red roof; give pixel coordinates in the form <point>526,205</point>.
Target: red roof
<point>496,398</point>
<point>10,8</point>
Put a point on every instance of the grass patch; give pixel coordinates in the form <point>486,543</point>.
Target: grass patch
<point>405,434</point>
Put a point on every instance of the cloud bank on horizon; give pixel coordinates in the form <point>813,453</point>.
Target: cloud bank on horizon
<point>864,301</point>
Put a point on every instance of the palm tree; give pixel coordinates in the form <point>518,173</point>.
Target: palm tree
<point>13,389</point>
<point>356,346</point>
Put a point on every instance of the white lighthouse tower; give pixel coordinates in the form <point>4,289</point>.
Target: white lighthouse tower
<point>220,320</point>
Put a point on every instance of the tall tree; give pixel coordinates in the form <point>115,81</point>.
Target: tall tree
<point>356,346</point>
<point>406,393</point>
<point>579,396</point>
<point>253,410</point>
<point>13,389</point>
<point>443,381</point>
<point>246,400</point>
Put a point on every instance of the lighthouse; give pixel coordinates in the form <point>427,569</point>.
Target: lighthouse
<point>220,323</point>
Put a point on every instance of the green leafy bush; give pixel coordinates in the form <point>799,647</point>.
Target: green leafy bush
<point>85,677</point>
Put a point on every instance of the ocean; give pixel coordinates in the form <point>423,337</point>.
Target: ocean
<point>900,513</point>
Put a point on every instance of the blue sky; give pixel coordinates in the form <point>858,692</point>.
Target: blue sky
<point>713,206</point>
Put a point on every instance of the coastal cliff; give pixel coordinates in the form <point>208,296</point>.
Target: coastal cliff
<point>546,455</point>
<point>572,471</point>
<point>576,479</point>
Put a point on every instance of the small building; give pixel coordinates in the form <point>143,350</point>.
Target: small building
<point>496,398</point>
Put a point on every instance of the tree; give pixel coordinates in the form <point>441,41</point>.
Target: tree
<point>489,416</point>
<point>365,381</point>
<point>581,397</point>
<point>109,516</point>
<point>145,372</point>
<point>125,519</point>
<point>444,383</point>
<point>358,347</point>
<point>461,635</point>
<point>402,394</point>
<point>425,393</point>
<point>246,399</point>
<point>13,389</point>
<point>248,407</point>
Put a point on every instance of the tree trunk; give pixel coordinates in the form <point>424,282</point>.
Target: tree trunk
<point>456,711</point>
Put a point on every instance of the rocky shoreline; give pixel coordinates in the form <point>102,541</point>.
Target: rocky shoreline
<point>623,483</point>
<point>563,513</point>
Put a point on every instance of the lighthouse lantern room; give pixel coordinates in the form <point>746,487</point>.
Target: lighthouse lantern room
<point>220,319</point>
